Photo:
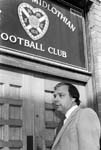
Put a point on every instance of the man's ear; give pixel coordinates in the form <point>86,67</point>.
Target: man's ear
<point>73,99</point>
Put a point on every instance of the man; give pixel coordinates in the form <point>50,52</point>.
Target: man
<point>81,128</point>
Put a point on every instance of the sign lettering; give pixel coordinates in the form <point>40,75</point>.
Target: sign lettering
<point>43,29</point>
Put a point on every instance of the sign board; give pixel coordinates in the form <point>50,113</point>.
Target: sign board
<point>42,29</point>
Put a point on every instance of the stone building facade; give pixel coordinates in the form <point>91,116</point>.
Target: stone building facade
<point>93,25</point>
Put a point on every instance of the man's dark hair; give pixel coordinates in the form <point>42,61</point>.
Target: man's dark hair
<point>73,91</point>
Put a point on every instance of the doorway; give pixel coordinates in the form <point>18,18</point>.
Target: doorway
<point>27,118</point>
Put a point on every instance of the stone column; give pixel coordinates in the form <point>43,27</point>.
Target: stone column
<point>94,37</point>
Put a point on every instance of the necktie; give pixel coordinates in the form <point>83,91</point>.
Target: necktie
<point>60,125</point>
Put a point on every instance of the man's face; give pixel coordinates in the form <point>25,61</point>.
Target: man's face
<point>62,99</point>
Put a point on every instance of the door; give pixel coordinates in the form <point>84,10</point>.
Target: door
<point>27,117</point>
<point>11,104</point>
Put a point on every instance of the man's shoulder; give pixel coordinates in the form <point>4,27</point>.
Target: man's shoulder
<point>88,112</point>
<point>86,109</point>
<point>89,118</point>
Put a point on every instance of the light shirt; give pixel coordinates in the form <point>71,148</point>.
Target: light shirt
<point>68,113</point>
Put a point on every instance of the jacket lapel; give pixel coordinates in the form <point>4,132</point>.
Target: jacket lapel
<point>64,126</point>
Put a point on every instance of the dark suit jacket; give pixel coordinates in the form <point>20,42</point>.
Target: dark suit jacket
<point>80,132</point>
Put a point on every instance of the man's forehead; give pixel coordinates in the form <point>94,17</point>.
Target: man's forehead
<point>62,88</point>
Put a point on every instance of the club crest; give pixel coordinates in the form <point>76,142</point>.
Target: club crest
<point>34,20</point>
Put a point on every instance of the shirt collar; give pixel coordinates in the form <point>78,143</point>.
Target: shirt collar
<point>68,113</point>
